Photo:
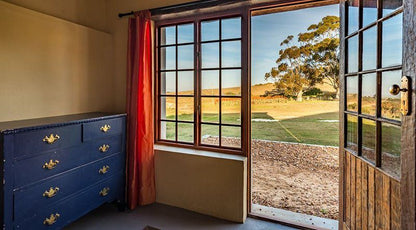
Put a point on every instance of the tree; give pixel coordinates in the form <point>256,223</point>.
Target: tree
<point>315,59</point>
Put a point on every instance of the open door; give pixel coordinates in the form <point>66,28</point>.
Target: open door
<point>377,135</point>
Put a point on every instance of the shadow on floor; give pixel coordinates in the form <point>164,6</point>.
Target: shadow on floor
<point>162,217</point>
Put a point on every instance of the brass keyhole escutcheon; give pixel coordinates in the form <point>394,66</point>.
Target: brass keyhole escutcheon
<point>105,128</point>
<point>51,192</point>
<point>52,219</point>
<point>51,138</point>
<point>104,191</point>
<point>104,169</point>
<point>51,164</point>
<point>104,148</point>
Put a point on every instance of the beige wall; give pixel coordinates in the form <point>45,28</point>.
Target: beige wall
<point>51,66</point>
<point>208,183</point>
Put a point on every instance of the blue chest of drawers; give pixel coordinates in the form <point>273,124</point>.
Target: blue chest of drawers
<point>57,169</point>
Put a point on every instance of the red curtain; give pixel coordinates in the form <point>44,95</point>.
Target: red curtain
<point>140,156</point>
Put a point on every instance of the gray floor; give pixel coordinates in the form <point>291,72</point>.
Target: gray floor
<point>162,217</point>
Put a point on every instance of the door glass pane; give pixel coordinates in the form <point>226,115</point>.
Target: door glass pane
<point>231,111</point>
<point>168,108</point>
<point>231,54</point>
<point>390,104</point>
<point>392,41</point>
<point>186,33</point>
<point>231,136</point>
<point>167,35</point>
<point>210,55</point>
<point>185,82</point>
<point>369,140</point>
<point>231,82</point>
<point>167,130</point>
<point>352,93</point>
<point>391,149</point>
<point>168,58</point>
<point>185,108</point>
<point>167,83</point>
<point>210,109</point>
<point>210,134</point>
<point>391,5</point>
<point>369,91</point>
<point>231,28</point>
<point>186,57</point>
<point>369,11</point>
<point>210,81</point>
<point>352,134</point>
<point>352,16</point>
<point>210,30</point>
<point>370,48</point>
<point>352,54</point>
<point>186,132</point>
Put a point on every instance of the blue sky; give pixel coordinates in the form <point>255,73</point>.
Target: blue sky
<point>268,31</point>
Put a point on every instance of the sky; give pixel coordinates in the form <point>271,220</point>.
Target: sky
<point>269,30</point>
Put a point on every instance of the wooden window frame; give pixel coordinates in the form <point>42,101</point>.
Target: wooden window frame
<point>196,21</point>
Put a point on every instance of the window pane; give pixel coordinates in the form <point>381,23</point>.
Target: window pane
<point>185,82</point>
<point>369,91</point>
<point>231,136</point>
<point>210,82</point>
<point>167,35</point>
<point>168,108</point>
<point>210,55</point>
<point>167,58</point>
<point>390,104</point>
<point>391,149</point>
<point>231,54</point>
<point>369,140</point>
<point>369,11</point>
<point>231,111</point>
<point>352,93</point>
<point>231,82</point>
<point>352,54</point>
<point>352,134</point>
<point>186,57</point>
<point>185,109</point>
<point>352,16</point>
<point>167,130</point>
<point>210,30</point>
<point>186,33</point>
<point>210,110</point>
<point>167,83</point>
<point>370,48</point>
<point>231,28</point>
<point>210,134</point>
<point>391,5</point>
<point>392,41</point>
<point>186,132</point>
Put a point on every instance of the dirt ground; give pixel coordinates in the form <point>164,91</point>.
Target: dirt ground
<point>296,177</point>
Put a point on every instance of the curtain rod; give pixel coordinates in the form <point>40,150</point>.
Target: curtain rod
<point>184,7</point>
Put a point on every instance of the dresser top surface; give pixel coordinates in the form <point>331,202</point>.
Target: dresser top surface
<point>45,121</point>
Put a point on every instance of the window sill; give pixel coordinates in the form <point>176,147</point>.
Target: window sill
<point>197,152</point>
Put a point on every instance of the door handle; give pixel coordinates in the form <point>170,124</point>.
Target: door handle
<point>405,95</point>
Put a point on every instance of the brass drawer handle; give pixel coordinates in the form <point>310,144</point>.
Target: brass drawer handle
<point>52,164</point>
<point>51,192</point>
<point>52,219</point>
<point>104,169</point>
<point>51,139</point>
<point>104,191</point>
<point>104,148</point>
<point>105,128</point>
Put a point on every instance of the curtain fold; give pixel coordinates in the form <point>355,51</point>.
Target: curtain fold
<point>140,151</point>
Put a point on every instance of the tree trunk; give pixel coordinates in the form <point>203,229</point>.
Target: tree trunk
<point>299,96</point>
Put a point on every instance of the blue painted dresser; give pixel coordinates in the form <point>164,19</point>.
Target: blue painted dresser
<point>57,169</point>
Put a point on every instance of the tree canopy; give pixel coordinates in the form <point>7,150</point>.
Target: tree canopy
<point>313,59</point>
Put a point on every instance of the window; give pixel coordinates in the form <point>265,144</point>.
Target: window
<point>374,63</point>
<point>199,84</point>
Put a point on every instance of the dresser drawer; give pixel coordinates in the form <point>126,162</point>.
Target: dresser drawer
<point>51,163</point>
<point>34,142</point>
<point>102,128</point>
<point>28,200</point>
<point>76,206</point>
